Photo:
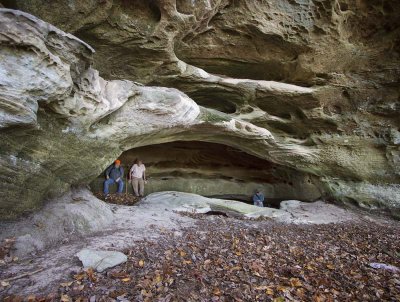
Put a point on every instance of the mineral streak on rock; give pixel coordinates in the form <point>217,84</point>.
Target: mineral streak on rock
<point>309,85</point>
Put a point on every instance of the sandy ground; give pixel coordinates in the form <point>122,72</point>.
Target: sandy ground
<point>131,224</point>
<point>148,220</point>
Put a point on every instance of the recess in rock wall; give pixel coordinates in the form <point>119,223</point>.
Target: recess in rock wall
<point>216,170</point>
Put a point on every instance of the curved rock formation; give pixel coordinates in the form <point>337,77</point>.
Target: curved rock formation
<point>312,86</point>
<point>217,170</point>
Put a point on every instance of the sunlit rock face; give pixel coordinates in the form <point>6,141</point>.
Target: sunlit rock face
<point>309,85</point>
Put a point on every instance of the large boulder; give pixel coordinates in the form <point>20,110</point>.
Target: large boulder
<point>187,202</point>
<point>291,211</point>
<point>75,214</point>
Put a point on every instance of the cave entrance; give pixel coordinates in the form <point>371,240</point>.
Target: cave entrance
<point>215,170</point>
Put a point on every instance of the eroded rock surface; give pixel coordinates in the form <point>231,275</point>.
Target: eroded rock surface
<point>216,170</point>
<point>291,211</point>
<point>311,85</point>
<point>187,202</point>
<point>80,220</point>
<point>75,214</point>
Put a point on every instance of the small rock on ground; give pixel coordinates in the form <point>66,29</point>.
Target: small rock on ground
<point>101,260</point>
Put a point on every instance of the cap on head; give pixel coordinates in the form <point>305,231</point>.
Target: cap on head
<point>117,162</point>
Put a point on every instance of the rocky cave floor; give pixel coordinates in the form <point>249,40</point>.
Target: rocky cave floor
<point>195,257</point>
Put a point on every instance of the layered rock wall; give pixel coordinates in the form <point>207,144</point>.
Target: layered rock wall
<point>216,170</point>
<point>310,85</point>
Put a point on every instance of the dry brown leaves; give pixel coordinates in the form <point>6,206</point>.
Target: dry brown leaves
<point>5,247</point>
<point>121,199</point>
<point>224,259</point>
<point>5,252</point>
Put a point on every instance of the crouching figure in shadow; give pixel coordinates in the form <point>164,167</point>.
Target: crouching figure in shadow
<point>258,199</point>
<point>114,174</point>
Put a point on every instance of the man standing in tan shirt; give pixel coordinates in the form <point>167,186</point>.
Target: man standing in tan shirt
<point>138,177</point>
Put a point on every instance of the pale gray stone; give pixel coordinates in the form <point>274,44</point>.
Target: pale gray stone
<point>100,260</point>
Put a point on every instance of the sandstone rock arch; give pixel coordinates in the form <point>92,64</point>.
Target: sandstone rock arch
<point>59,117</point>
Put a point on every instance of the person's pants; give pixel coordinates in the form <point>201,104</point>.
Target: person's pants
<point>138,186</point>
<point>259,203</point>
<point>111,181</point>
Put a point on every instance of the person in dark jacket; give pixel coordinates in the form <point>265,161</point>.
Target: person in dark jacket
<point>258,199</point>
<point>114,174</point>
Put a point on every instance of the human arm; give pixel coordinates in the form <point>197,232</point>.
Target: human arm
<point>121,174</point>
<point>108,172</point>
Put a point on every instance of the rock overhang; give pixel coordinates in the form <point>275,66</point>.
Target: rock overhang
<point>212,169</point>
<point>303,127</point>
